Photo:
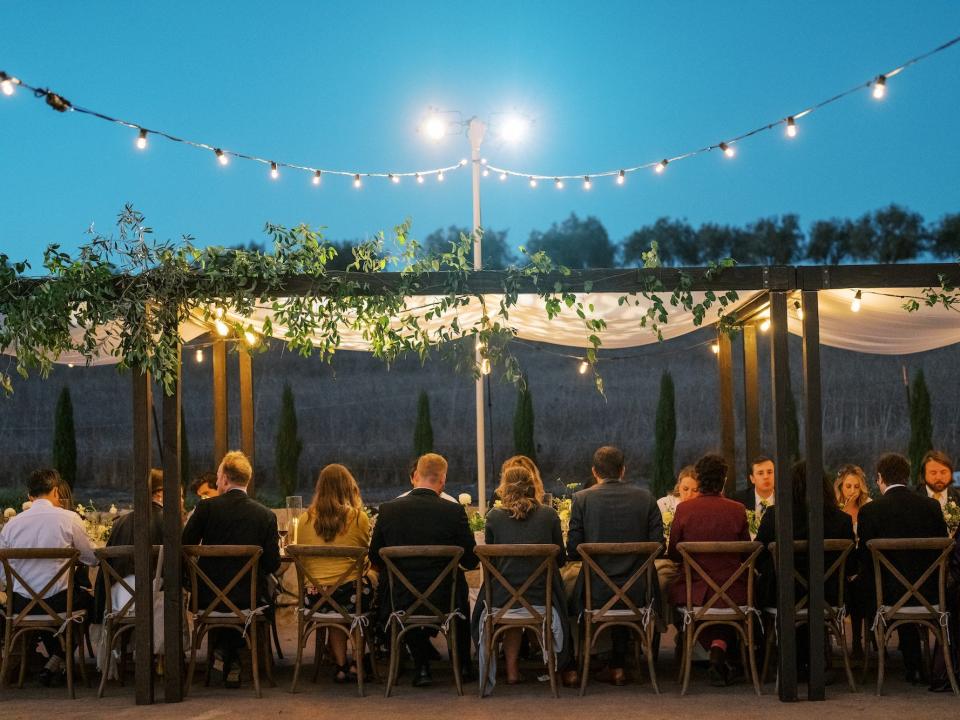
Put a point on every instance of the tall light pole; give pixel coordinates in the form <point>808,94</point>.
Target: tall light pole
<point>476,129</point>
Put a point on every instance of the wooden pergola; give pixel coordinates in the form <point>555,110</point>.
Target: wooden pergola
<point>776,284</point>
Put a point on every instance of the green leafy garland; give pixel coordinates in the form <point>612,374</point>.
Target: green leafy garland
<point>128,294</point>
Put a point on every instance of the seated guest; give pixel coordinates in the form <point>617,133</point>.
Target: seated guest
<point>851,493</point>
<point>758,495</point>
<point>936,478</point>
<point>522,518</point>
<point>204,486</point>
<point>423,518</point>
<point>901,513</point>
<point>710,517</point>
<point>687,487</point>
<point>836,526</point>
<point>411,470</point>
<point>521,461</point>
<point>336,517</point>
<point>613,511</point>
<point>232,518</point>
<point>47,525</point>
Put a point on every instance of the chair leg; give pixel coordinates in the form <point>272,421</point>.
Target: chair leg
<point>275,635</point>
<point>195,641</point>
<point>948,662</point>
<point>267,650</point>
<point>767,652</point>
<point>585,654</point>
<point>394,659</point>
<point>455,655</point>
<point>84,636</point>
<point>7,650</point>
<point>841,632</point>
<point>753,657</point>
<point>358,646</point>
<point>301,641</point>
<point>648,634</point>
<point>68,654</point>
<point>688,640</point>
<point>108,638</point>
<point>552,663</point>
<point>484,664</point>
<point>255,660</point>
<point>881,636</point>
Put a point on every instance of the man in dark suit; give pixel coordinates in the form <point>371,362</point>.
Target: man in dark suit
<point>936,478</point>
<point>423,518</point>
<point>614,511</point>
<point>758,495</point>
<point>901,513</point>
<point>232,518</point>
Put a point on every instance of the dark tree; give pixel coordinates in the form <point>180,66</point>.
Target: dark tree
<point>899,234</point>
<point>921,423</point>
<point>576,243</point>
<point>721,241</point>
<point>496,252</point>
<point>423,431</point>
<point>65,439</point>
<point>676,240</point>
<point>945,238</point>
<point>523,441</point>
<point>665,438</point>
<point>288,445</point>
<point>830,241</point>
<point>771,241</point>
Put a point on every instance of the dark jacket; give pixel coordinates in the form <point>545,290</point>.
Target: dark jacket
<point>901,513</point>
<point>614,511</point>
<point>953,492</point>
<point>422,518</point>
<point>234,519</point>
<point>122,533</point>
<point>747,497</point>
<point>540,527</point>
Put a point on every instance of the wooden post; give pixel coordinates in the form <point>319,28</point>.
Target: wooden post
<point>142,549</point>
<point>780,380</point>
<point>751,394</point>
<point>246,412</point>
<point>813,439</point>
<point>727,420</point>
<point>172,529</point>
<point>220,427</point>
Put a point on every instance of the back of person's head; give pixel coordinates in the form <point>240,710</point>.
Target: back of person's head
<point>711,472</point>
<point>204,480</point>
<point>155,481</point>
<point>519,492</point>
<point>608,462</point>
<point>43,482</point>
<point>236,468</point>
<point>335,500</point>
<point>432,469</point>
<point>894,469</point>
<point>525,462</point>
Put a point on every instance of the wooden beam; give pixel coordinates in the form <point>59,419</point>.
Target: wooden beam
<point>751,394</point>
<point>727,418</point>
<point>220,426</point>
<point>900,275</point>
<point>143,634</point>
<point>780,380</point>
<point>247,440</point>
<point>172,529</point>
<point>813,452</point>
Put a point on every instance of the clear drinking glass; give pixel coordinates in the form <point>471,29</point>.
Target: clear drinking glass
<point>294,510</point>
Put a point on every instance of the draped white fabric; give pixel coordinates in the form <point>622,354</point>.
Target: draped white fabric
<point>881,326</point>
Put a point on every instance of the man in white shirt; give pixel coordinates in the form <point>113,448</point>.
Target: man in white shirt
<point>759,495</point>
<point>936,474</point>
<point>47,525</point>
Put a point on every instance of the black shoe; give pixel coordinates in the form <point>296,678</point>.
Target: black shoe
<point>939,686</point>
<point>45,677</point>
<point>422,677</point>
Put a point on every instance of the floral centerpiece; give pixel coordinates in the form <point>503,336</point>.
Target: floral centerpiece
<point>667,517</point>
<point>97,524</point>
<point>951,513</point>
<point>563,507</point>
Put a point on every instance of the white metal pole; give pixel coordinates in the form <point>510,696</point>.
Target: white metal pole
<point>475,132</point>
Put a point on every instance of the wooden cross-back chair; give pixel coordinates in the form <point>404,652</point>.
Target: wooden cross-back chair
<point>912,607</point>
<point>38,615</point>
<point>422,612</point>
<point>119,621</point>
<point>326,613</point>
<point>833,615</point>
<point>620,610</point>
<point>518,612</point>
<point>719,608</point>
<point>222,612</point>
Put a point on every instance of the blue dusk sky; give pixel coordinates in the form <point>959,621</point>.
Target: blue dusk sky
<point>344,85</point>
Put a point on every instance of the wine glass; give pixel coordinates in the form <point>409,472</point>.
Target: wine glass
<point>294,510</point>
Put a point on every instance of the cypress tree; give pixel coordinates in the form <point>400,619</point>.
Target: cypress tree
<point>65,439</point>
<point>921,423</point>
<point>288,446</point>
<point>423,431</point>
<point>184,451</point>
<point>523,441</point>
<point>665,438</point>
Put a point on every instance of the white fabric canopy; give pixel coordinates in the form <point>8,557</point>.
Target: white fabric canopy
<point>881,326</point>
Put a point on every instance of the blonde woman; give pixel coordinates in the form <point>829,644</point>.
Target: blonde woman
<point>687,487</point>
<point>336,517</point>
<point>851,491</point>
<point>526,463</point>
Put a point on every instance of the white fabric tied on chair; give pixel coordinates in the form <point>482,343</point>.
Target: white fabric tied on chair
<point>361,621</point>
<point>556,628</point>
<point>251,614</point>
<point>943,616</point>
<point>688,614</point>
<point>646,614</point>
<point>445,625</point>
<point>76,617</point>
<point>397,616</point>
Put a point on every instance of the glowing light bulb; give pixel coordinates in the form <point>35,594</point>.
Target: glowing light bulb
<point>316,177</point>
<point>356,181</point>
<point>199,356</point>
<point>435,127</point>
<point>586,182</point>
<point>855,305</point>
<point>142,140</point>
<point>486,172</point>
<point>485,366</point>
<point>503,176</point>
<point>7,83</point>
<point>715,348</point>
<point>727,150</point>
<point>791,127</point>
<point>440,176</point>
<point>621,177</point>
<point>661,166</point>
<point>533,182</point>
<point>880,87</point>
<point>221,327</point>
<point>274,172</point>
<point>420,178</point>
<point>799,308</point>
<point>69,365</point>
<point>463,162</point>
<point>765,325</point>
<point>221,157</point>
<point>218,313</point>
<point>250,337</point>
<point>394,179</point>
<point>559,183</point>
<point>514,128</point>
<point>584,366</point>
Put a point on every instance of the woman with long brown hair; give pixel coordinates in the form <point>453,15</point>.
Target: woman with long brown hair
<point>336,517</point>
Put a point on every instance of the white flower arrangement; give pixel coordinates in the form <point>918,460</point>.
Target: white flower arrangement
<point>951,514</point>
<point>465,499</point>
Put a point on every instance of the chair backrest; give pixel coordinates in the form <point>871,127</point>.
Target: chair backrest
<point>305,580</point>
<point>836,570</point>
<point>690,551</point>
<point>489,555</point>
<point>391,555</point>
<point>592,554</point>
<point>112,578</point>
<point>37,604</point>
<point>192,554</point>
<point>881,549</point>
